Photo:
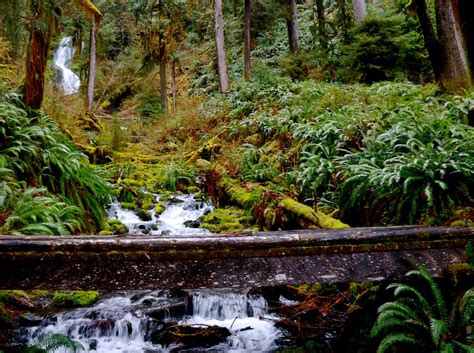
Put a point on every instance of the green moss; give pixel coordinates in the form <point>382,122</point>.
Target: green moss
<point>116,227</point>
<point>120,229</point>
<point>160,208</point>
<point>147,206</point>
<point>106,232</point>
<point>144,215</point>
<point>74,299</point>
<point>128,205</point>
<point>225,220</point>
<point>459,272</point>
<point>165,197</point>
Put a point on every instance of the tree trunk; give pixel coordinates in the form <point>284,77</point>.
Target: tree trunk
<point>173,84</point>
<point>292,25</point>
<point>163,79</point>
<point>92,67</point>
<point>247,37</point>
<point>431,41</point>
<point>321,22</point>
<point>36,59</point>
<point>360,10</point>
<point>467,24</point>
<point>220,49</point>
<point>455,75</point>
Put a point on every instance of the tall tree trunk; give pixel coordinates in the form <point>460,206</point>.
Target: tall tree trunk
<point>173,84</point>
<point>220,49</point>
<point>92,67</point>
<point>455,74</point>
<point>42,31</point>
<point>431,41</point>
<point>321,22</point>
<point>36,59</point>
<point>467,24</point>
<point>292,25</point>
<point>247,37</point>
<point>163,79</point>
<point>360,10</point>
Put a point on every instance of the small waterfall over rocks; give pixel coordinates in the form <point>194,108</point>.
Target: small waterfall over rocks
<point>180,217</point>
<point>68,80</point>
<point>126,323</point>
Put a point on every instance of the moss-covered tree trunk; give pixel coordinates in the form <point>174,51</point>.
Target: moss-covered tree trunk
<point>163,76</point>
<point>321,22</point>
<point>454,75</point>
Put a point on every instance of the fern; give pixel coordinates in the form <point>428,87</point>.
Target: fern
<point>52,343</point>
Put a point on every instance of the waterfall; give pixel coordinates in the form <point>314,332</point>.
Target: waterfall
<point>122,323</point>
<point>183,208</point>
<point>67,79</point>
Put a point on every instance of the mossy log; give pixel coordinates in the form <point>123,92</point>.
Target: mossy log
<point>317,218</point>
<point>249,197</point>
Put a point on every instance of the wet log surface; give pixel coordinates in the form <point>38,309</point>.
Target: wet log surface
<point>235,260</point>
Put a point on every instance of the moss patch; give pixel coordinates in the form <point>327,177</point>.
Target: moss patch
<point>225,220</point>
<point>75,299</point>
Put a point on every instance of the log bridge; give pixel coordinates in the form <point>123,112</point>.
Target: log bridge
<point>226,261</point>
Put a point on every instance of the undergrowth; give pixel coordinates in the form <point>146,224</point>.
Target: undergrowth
<point>46,185</point>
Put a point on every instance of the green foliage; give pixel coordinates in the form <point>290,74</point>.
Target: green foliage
<point>46,185</point>
<point>385,49</point>
<point>52,343</point>
<point>419,318</point>
<point>74,298</point>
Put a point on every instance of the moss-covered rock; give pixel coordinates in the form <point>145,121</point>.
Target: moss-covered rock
<point>225,220</point>
<point>117,227</point>
<point>144,215</point>
<point>128,205</point>
<point>160,208</point>
<point>106,232</point>
<point>75,299</point>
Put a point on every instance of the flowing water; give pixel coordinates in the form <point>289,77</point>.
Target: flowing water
<point>125,323</point>
<point>67,79</point>
<point>180,210</point>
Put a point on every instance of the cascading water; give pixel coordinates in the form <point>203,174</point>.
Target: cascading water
<point>67,79</point>
<point>125,323</point>
<point>183,210</point>
<point>131,322</point>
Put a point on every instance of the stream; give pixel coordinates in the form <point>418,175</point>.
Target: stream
<point>128,322</point>
<point>133,322</point>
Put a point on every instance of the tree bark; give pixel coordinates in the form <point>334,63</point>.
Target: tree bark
<point>173,85</point>
<point>42,31</point>
<point>455,75</point>
<point>163,78</point>
<point>431,41</point>
<point>220,48</point>
<point>92,67</point>
<point>36,59</point>
<point>321,21</point>
<point>466,10</point>
<point>247,37</point>
<point>292,25</point>
<point>360,10</point>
